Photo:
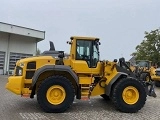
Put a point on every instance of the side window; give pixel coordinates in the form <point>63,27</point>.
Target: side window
<point>79,52</point>
<point>83,50</point>
<point>95,56</point>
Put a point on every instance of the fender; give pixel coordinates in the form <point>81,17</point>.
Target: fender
<point>54,68</point>
<point>115,78</point>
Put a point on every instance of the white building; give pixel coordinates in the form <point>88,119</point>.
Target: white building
<point>17,42</point>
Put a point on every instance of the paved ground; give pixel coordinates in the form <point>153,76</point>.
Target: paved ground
<point>13,107</point>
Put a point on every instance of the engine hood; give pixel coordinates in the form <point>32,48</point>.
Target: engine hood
<point>36,58</point>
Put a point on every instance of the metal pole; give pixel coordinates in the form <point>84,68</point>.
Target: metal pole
<point>7,53</point>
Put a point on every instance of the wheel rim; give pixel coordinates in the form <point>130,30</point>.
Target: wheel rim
<point>56,94</point>
<point>130,95</point>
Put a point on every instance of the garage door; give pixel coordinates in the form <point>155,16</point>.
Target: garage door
<point>2,59</point>
<point>14,57</point>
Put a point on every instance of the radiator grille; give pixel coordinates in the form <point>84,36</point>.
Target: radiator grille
<point>31,65</point>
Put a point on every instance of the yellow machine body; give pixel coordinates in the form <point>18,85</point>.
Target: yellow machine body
<point>82,74</point>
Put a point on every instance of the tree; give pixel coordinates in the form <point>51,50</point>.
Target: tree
<point>149,48</point>
<point>38,52</point>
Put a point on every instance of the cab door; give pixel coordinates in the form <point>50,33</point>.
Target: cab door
<point>82,61</point>
<point>87,57</point>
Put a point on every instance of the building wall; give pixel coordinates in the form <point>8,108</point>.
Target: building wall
<point>3,46</point>
<point>17,44</point>
<point>3,41</point>
<point>22,44</point>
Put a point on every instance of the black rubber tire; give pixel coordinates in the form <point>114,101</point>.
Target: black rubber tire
<point>157,83</point>
<point>118,101</point>
<point>144,76</point>
<point>106,97</point>
<point>46,84</point>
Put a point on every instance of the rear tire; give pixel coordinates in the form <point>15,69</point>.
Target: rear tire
<point>129,95</point>
<point>55,94</point>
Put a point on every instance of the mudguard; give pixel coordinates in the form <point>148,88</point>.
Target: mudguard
<point>48,68</point>
<point>109,86</point>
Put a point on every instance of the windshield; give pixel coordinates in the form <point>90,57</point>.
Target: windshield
<point>142,63</point>
<point>83,49</point>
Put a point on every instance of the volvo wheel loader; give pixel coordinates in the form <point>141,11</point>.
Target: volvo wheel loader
<point>144,69</point>
<point>58,81</point>
<point>147,72</point>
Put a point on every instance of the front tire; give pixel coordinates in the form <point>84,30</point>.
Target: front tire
<point>128,95</point>
<point>55,94</point>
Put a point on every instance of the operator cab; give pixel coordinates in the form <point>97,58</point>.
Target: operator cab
<point>143,63</point>
<point>88,50</point>
<point>84,54</point>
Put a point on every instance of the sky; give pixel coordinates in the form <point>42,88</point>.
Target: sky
<point>120,24</point>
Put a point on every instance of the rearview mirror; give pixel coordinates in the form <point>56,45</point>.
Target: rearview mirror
<point>69,42</point>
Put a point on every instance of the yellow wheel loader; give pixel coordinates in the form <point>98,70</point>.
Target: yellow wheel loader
<point>147,72</point>
<point>58,81</point>
<point>144,69</point>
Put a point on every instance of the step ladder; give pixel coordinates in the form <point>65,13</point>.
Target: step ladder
<point>25,95</point>
<point>85,91</point>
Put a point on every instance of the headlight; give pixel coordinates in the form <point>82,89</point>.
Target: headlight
<point>19,71</point>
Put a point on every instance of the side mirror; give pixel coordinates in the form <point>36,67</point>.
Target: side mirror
<point>69,42</point>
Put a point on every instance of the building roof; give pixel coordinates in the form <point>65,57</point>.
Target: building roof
<point>24,31</point>
<point>133,60</point>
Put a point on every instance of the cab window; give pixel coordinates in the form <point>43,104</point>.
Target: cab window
<point>83,51</point>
